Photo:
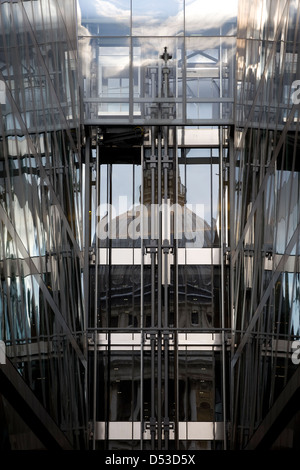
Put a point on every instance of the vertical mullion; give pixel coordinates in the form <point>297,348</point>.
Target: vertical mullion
<point>175,301</point>
<point>95,372</point>
<point>223,283</point>
<point>142,304</point>
<point>131,80</point>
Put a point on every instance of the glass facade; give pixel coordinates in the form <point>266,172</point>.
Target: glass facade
<point>265,225</point>
<point>158,96</point>
<point>41,303</point>
<point>149,207</point>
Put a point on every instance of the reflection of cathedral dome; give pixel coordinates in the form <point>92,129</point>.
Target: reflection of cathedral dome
<point>191,230</point>
<point>120,296</point>
<point>181,191</point>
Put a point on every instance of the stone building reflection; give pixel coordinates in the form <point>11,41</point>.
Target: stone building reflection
<point>119,286</point>
<point>199,387</point>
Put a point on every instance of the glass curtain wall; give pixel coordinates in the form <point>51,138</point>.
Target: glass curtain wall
<point>156,318</point>
<point>123,292</point>
<point>120,43</point>
<point>265,215</point>
<point>41,308</point>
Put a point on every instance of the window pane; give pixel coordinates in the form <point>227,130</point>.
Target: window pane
<point>198,211</point>
<point>216,18</point>
<point>195,299</point>
<point>105,18</point>
<point>196,387</point>
<point>157,18</point>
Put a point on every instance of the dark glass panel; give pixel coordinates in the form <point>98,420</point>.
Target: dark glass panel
<point>195,296</point>
<point>196,390</point>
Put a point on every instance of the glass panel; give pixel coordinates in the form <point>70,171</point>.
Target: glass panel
<point>209,76</point>
<point>203,68</point>
<point>196,386</point>
<point>119,296</point>
<point>197,153</point>
<point>119,212</point>
<point>105,18</point>
<point>148,77</point>
<point>199,184</point>
<point>118,378</point>
<point>215,204</point>
<point>195,297</point>
<point>295,305</point>
<point>198,202</point>
<point>122,200</point>
<point>158,18</point>
<point>105,64</point>
<point>216,18</point>
<point>287,216</point>
<point>124,386</point>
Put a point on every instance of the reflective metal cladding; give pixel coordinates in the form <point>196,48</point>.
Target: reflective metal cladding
<point>41,308</point>
<point>265,226</point>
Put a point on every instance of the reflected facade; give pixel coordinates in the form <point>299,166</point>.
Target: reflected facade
<point>158,94</point>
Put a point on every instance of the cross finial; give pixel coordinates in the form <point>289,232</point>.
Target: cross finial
<point>165,56</point>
